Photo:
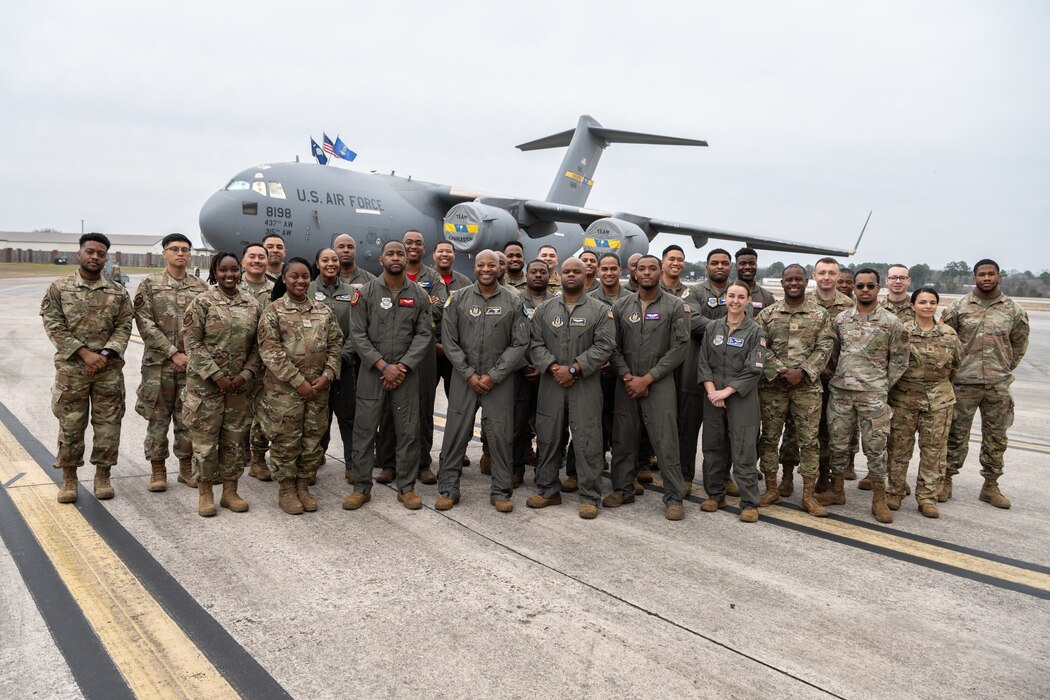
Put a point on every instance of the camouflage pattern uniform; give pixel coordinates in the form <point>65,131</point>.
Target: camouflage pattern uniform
<point>297,342</point>
<point>732,359</point>
<point>922,400</point>
<point>483,336</point>
<point>520,285</point>
<point>95,315</point>
<point>221,340</point>
<point>653,341</point>
<point>342,396</point>
<point>789,450</point>
<point>994,337</point>
<point>160,305</point>
<point>396,328</point>
<point>560,335</point>
<point>873,354</point>
<point>901,309</point>
<point>261,293</point>
<point>797,337</point>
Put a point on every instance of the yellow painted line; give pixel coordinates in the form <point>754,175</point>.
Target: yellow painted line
<point>438,420</point>
<point>153,653</point>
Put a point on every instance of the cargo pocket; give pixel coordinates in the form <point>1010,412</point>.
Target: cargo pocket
<point>190,410</point>
<point>148,398</point>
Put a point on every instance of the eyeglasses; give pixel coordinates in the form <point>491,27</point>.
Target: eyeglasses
<point>178,249</point>
<point>867,285</point>
<point>898,278</point>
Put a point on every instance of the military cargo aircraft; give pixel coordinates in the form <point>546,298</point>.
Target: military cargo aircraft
<point>309,205</point>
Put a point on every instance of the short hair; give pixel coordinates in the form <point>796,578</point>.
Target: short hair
<point>746,250</point>
<point>925,290</point>
<point>508,244</point>
<point>252,245</point>
<point>272,235</point>
<point>648,255</point>
<point>614,256</point>
<point>548,245</point>
<point>214,266</point>
<point>536,261</point>
<point>448,243</point>
<point>896,265</point>
<point>738,283</point>
<point>586,252</point>
<point>387,244</point>
<point>846,271</point>
<point>174,237</point>
<point>96,237</point>
<point>411,230</point>
<point>793,266</point>
<point>673,246</point>
<point>719,251</point>
<point>985,261</point>
<point>827,261</point>
<point>868,271</point>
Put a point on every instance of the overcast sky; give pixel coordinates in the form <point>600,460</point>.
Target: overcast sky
<point>933,114</point>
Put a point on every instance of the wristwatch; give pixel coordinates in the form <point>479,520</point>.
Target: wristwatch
<point>572,370</point>
<point>107,353</point>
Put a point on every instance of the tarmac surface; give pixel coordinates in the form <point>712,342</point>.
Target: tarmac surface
<point>141,596</point>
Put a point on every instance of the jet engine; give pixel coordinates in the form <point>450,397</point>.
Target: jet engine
<point>615,236</point>
<point>472,227</point>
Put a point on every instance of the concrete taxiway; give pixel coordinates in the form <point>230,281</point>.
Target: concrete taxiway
<point>140,596</point>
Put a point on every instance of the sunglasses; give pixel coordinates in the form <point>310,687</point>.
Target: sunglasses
<point>867,285</point>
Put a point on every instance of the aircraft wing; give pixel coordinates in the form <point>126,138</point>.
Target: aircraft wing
<point>553,212</point>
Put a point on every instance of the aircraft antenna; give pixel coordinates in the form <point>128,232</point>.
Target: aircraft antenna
<point>862,230</point>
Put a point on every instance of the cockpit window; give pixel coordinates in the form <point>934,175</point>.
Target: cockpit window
<point>260,187</point>
<point>276,190</point>
<point>237,185</point>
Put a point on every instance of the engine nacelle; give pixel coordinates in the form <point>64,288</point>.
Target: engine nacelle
<point>471,227</point>
<point>615,236</point>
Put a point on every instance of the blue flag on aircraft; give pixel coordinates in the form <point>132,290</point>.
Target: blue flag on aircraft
<point>318,152</point>
<point>341,151</point>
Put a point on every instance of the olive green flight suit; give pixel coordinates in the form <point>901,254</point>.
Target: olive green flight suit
<point>653,341</point>
<point>563,334</point>
<point>483,336</point>
<point>526,393</point>
<point>342,396</point>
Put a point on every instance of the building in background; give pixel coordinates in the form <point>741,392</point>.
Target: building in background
<point>126,250</point>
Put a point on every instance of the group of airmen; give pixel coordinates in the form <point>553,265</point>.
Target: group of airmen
<point>263,358</point>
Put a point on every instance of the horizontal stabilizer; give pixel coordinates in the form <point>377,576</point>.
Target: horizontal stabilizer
<point>617,136</point>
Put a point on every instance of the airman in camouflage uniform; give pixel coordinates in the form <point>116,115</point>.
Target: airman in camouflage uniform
<point>160,304</point>
<point>873,354</point>
<point>88,319</point>
<point>993,331</point>
<point>221,340</point>
<point>253,265</point>
<point>897,300</point>
<point>799,344</point>
<point>299,342</point>
<point>922,401</point>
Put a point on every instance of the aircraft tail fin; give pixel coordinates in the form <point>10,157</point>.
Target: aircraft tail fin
<point>586,142</point>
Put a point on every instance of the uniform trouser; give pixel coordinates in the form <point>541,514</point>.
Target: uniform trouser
<point>731,436</point>
<point>426,375</point>
<point>295,428</point>
<point>444,375</point>
<point>577,409</point>
<point>342,402</point>
<point>802,404</point>
<point>657,415</point>
<point>997,415</point>
<point>932,426</point>
<point>403,405</point>
<point>219,426</point>
<point>497,410</point>
<point>525,396</point>
<point>257,439</point>
<point>160,403</point>
<point>608,401</point>
<point>74,398</point>
<point>868,408</point>
<point>789,449</point>
<point>690,418</point>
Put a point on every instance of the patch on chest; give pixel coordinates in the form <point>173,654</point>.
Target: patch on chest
<point>319,296</point>
<point>558,321</point>
<point>735,342</point>
<point>406,302</point>
<point>386,303</point>
<point>577,322</point>
<point>635,317</point>
<point>653,315</point>
<point>475,310</point>
<point>493,310</point>
<point>718,340</point>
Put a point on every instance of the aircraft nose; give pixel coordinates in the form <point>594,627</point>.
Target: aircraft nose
<point>216,218</point>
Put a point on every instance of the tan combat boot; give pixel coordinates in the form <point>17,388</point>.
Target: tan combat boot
<point>878,503</point>
<point>929,510</point>
<point>103,489</point>
<point>893,501</point>
<point>570,485</point>
<point>810,502</point>
<point>257,467</point>
<point>836,493</point>
<point>68,492</point>
<point>186,472</point>
<point>823,480</point>
<point>302,492</point>
<point>356,499</point>
<point>287,499</point>
<point>749,515</point>
<point>944,493</point>
<point>158,480</point>
<point>731,489</point>
<point>850,474</point>
<point>772,495</point>
<point>787,484</point>
<point>990,493</point>
<point>230,499</point>
<point>486,464</point>
<point>206,501</point>
<point>539,501</point>
<point>644,476</point>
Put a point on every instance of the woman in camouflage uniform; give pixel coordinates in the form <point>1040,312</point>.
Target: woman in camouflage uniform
<point>300,344</point>
<point>220,332</point>
<point>923,401</point>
